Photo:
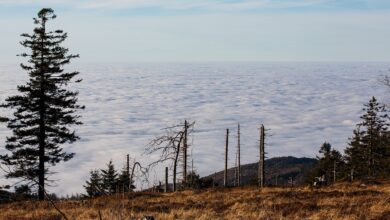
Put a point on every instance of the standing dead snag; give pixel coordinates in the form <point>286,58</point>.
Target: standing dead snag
<point>175,162</point>
<point>170,145</point>
<point>238,156</point>
<point>166,180</point>
<point>185,146</point>
<point>262,157</point>
<point>226,158</point>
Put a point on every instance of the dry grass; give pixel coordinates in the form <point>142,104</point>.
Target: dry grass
<point>341,201</point>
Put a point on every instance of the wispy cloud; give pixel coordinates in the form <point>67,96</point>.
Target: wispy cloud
<point>176,4</point>
<point>208,5</point>
<point>202,4</point>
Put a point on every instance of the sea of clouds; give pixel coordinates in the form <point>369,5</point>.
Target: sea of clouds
<point>303,105</point>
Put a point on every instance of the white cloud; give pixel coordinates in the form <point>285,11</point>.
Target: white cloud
<point>304,104</point>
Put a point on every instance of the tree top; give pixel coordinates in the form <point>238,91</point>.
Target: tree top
<point>45,14</point>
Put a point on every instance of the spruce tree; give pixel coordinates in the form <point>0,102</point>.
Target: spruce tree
<point>110,178</point>
<point>355,156</point>
<point>367,153</point>
<point>329,161</point>
<point>124,181</point>
<point>44,110</point>
<point>94,185</point>
<point>325,161</point>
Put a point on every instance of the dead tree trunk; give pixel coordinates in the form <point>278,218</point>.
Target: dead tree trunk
<point>175,164</point>
<point>334,171</point>
<point>132,171</point>
<point>192,171</point>
<point>239,157</point>
<point>166,180</point>
<point>128,187</point>
<point>352,174</point>
<point>226,158</point>
<point>276,180</point>
<point>261,159</point>
<point>185,146</point>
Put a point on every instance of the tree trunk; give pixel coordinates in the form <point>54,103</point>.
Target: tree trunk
<point>185,146</point>
<point>226,158</point>
<point>128,187</point>
<point>41,166</point>
<point>334,171</point>
<point>132,171</point>
<point>261,159</point>
<point>175,163</point>
<point>239,157</point>
<point>166,180</point>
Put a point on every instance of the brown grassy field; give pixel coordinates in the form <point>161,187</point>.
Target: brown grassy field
<point>341,201</point>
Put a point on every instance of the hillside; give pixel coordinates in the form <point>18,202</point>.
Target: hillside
<point>278,171</point>
<point>341,201</point>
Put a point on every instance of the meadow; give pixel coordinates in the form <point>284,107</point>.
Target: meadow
<point>340,201</point>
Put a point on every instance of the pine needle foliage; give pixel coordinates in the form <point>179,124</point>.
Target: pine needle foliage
<point>110,178</point>
<point>94,186</point>
<point>44,110</point>
<point>368,151</point>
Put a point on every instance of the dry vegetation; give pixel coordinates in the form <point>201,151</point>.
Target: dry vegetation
<point>341,201</point>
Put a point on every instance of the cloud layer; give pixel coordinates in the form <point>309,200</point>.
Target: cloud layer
<point>304,104</point>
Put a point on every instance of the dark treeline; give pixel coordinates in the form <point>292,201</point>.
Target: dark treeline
<point>367,156</point>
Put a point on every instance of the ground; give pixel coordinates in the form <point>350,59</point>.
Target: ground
<point>341,201</point>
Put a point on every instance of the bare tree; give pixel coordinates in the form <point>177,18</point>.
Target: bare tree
<point>143,170</point>
<point>170,145</point>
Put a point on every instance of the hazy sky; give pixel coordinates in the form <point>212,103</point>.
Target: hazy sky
<point>208,30</point>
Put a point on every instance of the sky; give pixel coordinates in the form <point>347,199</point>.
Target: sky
<point>207,30</point>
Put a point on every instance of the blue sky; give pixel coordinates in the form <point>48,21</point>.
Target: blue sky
<point>208,30</point>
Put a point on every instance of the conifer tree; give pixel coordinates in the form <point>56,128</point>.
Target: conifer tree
<point>94,185</point>
<point>124,181</point>
<point>368,150</point>
<point>110,178</point>
<point>329,162</point>
<point>355,155</point>
<point>44,110</point>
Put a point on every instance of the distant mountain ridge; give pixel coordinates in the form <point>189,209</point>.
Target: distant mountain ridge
<point>278,171</point>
